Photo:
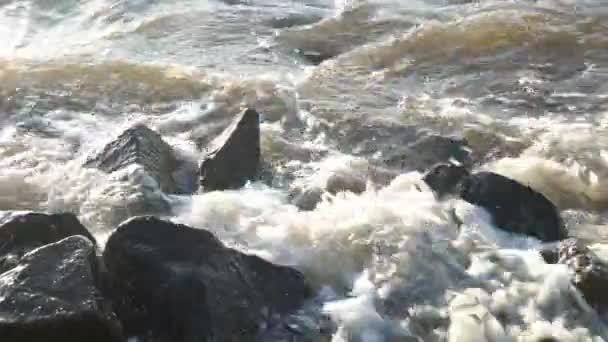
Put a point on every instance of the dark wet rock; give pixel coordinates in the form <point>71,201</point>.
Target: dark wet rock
<point>444,179</point>
<point>21,233</point>
<point>139,145</point>
<point>53,296</point>
<point>430,150</point>
<point>175,283</point>
<point>589,272</point>
<point>487,145</point>
<point>551,254</point>
<point>340,182</point>
<point>307,199</point>
<point>234,156</point>
<point>435,149</point>
<point>514,207</point>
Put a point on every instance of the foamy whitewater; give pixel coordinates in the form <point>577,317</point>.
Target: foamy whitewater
<point>525,82</point>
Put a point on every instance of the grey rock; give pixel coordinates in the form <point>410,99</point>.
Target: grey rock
<point>306,199</point>
<point>52,295</point>
<point>24,232</point>
<point>174,283</point>
<point>339,182</point>
<point>142,146</point>
<point>233,157</point>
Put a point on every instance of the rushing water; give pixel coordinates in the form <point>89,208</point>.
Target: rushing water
<point>525,82</point>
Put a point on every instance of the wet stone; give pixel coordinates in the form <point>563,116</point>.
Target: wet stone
<point>233,158</point>
<point>175,283</point>
<point>139,145</point>
<point>513,206</point>
<point>24,232</point>
<point>53,294</point>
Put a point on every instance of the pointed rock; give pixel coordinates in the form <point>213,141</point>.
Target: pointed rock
<point>141,146</point>
<point>514,207</point>
<point>52,295</point>
<point>233,157</point>
<point>174,283</point>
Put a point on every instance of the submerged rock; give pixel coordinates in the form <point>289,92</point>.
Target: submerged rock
<point>307,199</point>
<point>344,182</point>
<point>234,156</point>
<point>514,207</point>
<point>430,150</point>
<point>589,272</point>
<point>23,233</point>
<point>139,145</point>
<point>293,20</point>
<point>314,57</point>
<point>52,295</point>
<point>175,283</point>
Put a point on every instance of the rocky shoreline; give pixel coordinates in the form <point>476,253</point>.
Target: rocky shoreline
<point>161,281</point>
<point>154,280</point>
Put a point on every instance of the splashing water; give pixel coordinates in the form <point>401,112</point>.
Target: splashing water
<point>342,86</point>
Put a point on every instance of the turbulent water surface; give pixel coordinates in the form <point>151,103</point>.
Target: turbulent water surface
<point>344,87</point>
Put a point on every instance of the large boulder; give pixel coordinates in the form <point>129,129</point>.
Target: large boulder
<point>174,283</point>
<point>139,145</point>
<point>514,207</point>
<point>52,295</point>
<point>23,232</point>
<point>589,272</point>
